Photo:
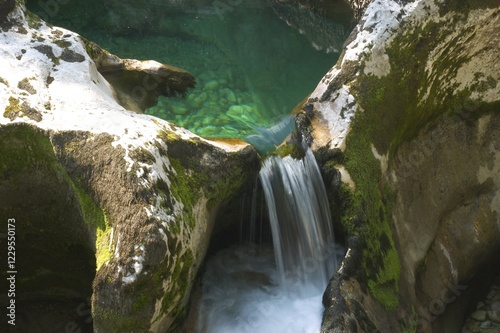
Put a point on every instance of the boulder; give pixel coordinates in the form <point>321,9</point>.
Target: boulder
<point>138,84</point>
<point>114,209</point>
<point>409,118</point>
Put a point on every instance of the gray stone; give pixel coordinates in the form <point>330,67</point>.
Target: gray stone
<point>495,306</point>
<point>479,315</point>
<point>106,176</point>
<point>485,324</point>
<point>473,325</point>
<point>491,330</point>
<point>494,316</point>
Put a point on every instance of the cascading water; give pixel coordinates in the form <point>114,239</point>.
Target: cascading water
<point>251,288</point>
<point>300,222</point>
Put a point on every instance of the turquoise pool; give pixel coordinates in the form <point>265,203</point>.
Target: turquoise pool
<point>252,62</point>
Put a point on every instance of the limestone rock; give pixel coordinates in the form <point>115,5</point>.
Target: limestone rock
<point>412,105</point>
<point>138,84</point>
<point>117,207</point>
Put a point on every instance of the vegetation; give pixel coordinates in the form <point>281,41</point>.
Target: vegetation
<point>395,108</point>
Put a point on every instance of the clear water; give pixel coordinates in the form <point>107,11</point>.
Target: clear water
<point>300,221</point>
<point>251,67</point>
<point>241,293</point>
<point>279,288</point>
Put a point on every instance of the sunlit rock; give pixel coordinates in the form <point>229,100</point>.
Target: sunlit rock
<point>115,209</point>
<point>410,113</point>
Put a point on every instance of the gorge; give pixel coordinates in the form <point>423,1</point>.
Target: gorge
<point>121,209</point>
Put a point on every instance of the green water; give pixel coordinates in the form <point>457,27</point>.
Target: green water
<point>251,68</point>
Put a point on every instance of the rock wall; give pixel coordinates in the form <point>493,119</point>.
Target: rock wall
<point>409,120</point>
<point>128,198</point>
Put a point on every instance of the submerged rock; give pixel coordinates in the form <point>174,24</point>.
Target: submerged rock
<point>412,104</point>
<point>112,206</point>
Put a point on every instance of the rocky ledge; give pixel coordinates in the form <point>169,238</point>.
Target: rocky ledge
<point>405,128</point>
<point>114,209</point>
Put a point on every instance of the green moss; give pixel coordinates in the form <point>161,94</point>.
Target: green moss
<point>102,243</point>
<point>399,104</point>
<point>289,150</point>
<point>25,138</point>
<point>12,110</point>
<point>396,107</point>
<point>179,277</point>
<point>110,321</point>
<point>369,215</point>
<point>186,189</point>
<point>42,154</point>
<point>34,21</point>
<point>28,159</point>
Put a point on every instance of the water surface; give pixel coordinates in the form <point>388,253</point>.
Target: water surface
<point>252,67</point>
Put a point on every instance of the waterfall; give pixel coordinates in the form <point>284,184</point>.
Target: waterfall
<point>254,287</point>
<point>300,221</point>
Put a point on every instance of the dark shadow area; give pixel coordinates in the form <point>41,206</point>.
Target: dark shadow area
<point>54,249</point>
<point>244,219</point>
<point>463,298</point>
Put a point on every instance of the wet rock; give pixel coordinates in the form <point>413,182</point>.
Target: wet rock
<point>490,330</point>
<point>494,316</point>
<point>485,324</point>
<point>478,315</point>
<point>130,198</point>
<point>428,222</point>
<point>473,326</point>
<point>137,83</point>
<point>6,6</point>
<point>212,85</point>
<point>495,306</point>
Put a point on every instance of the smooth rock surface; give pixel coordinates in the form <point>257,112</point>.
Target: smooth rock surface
<point>415,118</point>
<point>137,195</point>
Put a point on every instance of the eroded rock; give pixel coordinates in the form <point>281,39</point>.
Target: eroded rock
<point>416,118</point>
<point>133,197</point>
<point>138,84</point>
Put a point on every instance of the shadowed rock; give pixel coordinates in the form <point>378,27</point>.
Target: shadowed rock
<point>139,83</point>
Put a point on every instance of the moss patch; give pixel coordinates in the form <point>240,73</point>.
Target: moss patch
<point>181,276</point>
<point>289,150</point>
<point>369,215</point>
<point>17,108</point>
<point>186,189</point>
<point>395,108</point>
<point>102,243</point>
<point>399,104</point>
<point>13,109</point>
<point>55,256</point>
<point>25,84</point>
